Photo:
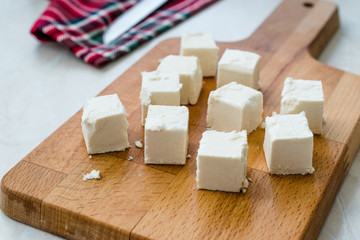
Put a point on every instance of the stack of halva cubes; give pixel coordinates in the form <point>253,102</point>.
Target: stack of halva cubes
<point>234,111</point>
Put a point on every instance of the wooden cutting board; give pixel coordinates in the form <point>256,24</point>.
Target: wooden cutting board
<point>138,201</point>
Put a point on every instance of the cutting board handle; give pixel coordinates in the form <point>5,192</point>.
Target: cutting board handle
<point>303,24</point>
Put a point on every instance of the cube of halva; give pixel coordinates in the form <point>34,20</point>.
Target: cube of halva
<point>166,134</point>
<point>204,47</point>
<point>239,66</point>
<point>104,125</point>
<point>304,95</point>
<point>288,144</point>
<point>222,161</point>
<point>190,73</point>
<point>159,89</point>
<point>234,107</point>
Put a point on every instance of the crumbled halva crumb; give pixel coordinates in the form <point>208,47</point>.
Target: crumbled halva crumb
<point>94,174</point>
<point>138,144</point>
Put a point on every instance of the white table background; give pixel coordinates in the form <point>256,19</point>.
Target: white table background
<point>42,85</point>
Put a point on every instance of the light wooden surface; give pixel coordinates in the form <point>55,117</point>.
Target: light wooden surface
<point>140,201</point>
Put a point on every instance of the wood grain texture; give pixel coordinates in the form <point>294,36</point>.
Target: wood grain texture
<point>138,201</point>
<point>274,207</point>
<point>119,200</point>
<point>23,190</point>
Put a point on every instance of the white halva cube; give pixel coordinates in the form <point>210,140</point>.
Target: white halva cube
<point>190,73</point>
<point>234,107</point>
<point>239,66</point>
<point>203,46</point>
<point>159,89</point>
<point>304,95</point>
<point>166,135</point>
<point>222,161</point>
<point>288,144</point>
<point>104,125</point>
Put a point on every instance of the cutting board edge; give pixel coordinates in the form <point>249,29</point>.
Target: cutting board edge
<point>321,212</point>
<point>14,202</point>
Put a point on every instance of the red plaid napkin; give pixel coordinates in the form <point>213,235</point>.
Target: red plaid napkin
<point>80,24</point>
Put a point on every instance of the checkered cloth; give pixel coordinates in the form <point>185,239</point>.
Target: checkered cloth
<point>80,24</point>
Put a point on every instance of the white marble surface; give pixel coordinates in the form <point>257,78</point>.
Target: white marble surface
<point>42,85</point>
